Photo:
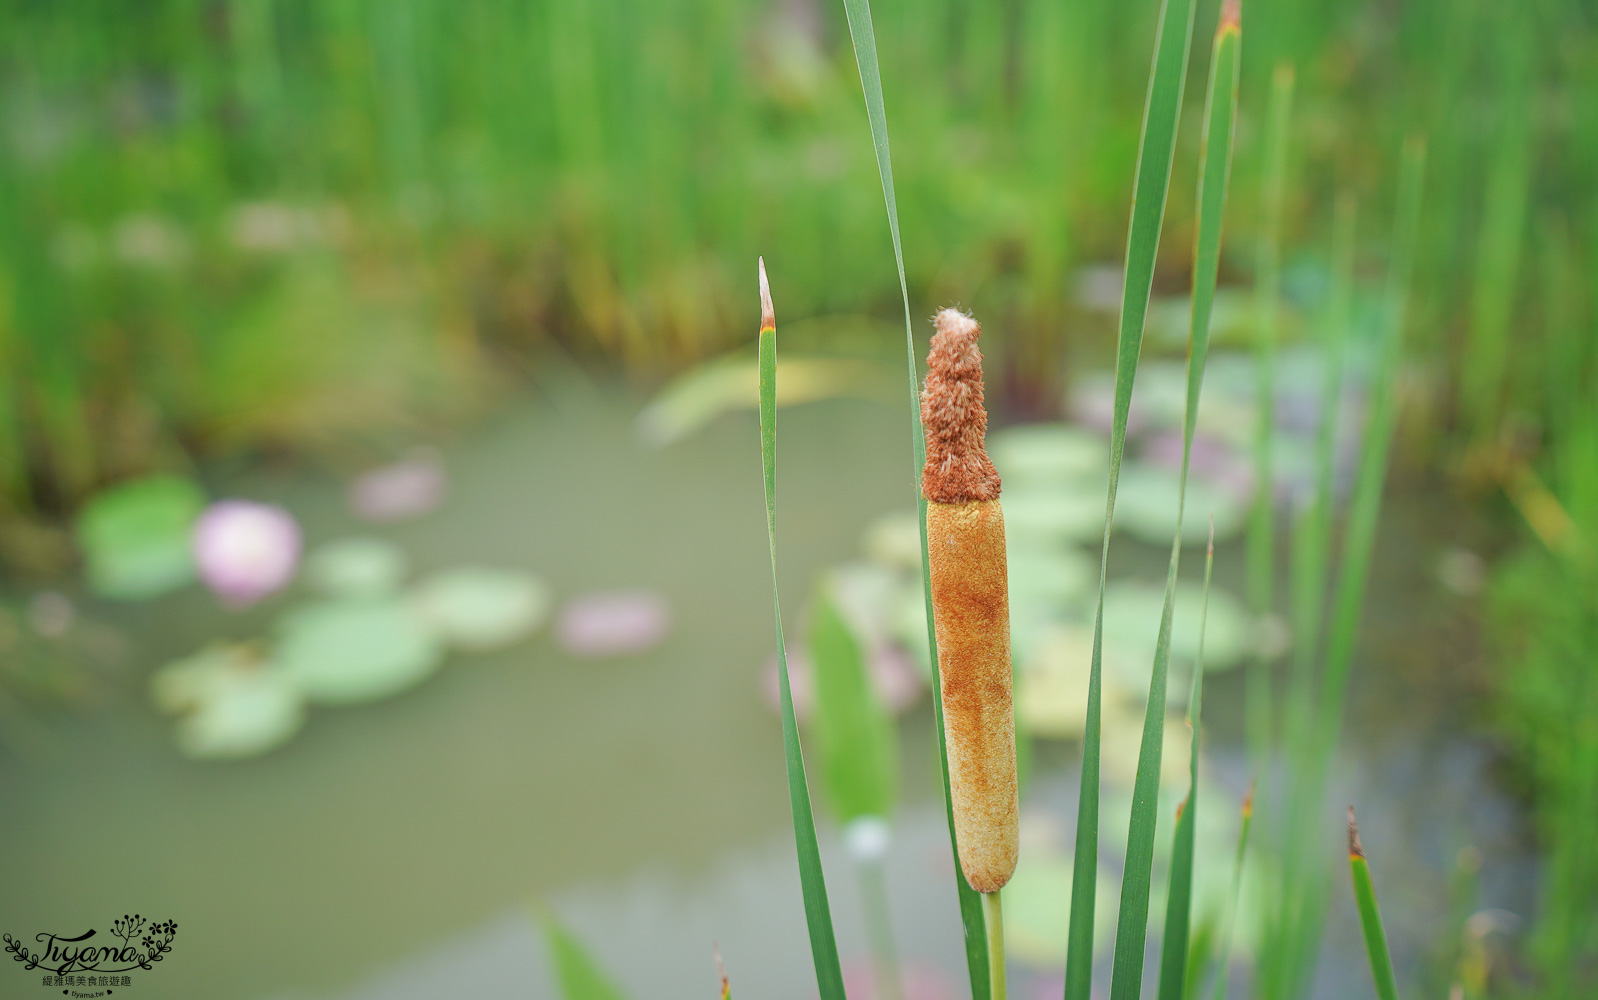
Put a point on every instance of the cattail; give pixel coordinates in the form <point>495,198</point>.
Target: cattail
<point>970,605</point>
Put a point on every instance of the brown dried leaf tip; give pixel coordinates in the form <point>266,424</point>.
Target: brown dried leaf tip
<point>955,421</point>
<point>1231,16</point>
<point>1355,849</point>
<point>768,315</point>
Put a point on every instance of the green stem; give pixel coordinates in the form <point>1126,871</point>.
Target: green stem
<point>879,930</point>
<point>1370,916</point>
<point>993,910</point>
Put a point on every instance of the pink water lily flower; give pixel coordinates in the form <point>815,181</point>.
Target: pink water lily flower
<point>245,550</point>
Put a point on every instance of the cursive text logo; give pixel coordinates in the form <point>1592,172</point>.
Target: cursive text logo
<point>131,943</point>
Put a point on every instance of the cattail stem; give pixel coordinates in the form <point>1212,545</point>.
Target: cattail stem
<point>993,910</point>
<point>970,606</point>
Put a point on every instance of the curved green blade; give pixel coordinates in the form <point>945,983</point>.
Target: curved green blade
<point>823,945</point>
<point>862,35</point>
<point>1155,151</point>
<point>579,975</point>
<point>1370,916</point>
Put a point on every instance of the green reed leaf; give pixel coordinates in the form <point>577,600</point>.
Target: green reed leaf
<point>1370,917</point>
<point>1360,536</point>
<point>1223,951</point>
<point>579,975</point>
<point>1215,161</point>
<point>1293,933</point>
<point>818,916</point>
<point>1175,960</point>
<point>1156,147</point>
<point>1268,291</point>
<point>862,35</point>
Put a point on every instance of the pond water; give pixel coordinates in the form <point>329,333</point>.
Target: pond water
<point>396,850</point>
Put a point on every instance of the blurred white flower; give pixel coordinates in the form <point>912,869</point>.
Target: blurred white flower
<point>246,550</point>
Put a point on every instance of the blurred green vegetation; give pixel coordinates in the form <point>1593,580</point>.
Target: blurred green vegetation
<point>266,224</point>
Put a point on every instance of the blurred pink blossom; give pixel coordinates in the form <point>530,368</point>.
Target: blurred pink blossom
<point>407,488</point>
<point>610,623</point>
<point>916,982</point>
<point>894,678</point>
<point>245,550</point>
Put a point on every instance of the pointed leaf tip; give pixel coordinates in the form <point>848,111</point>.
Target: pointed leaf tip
<point>1231,16</point>
<point>768,315</point>
<point>1355,849</point>
<point>721,970</point>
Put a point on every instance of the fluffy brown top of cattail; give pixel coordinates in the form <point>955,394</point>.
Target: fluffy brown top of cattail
<point>958,469</point>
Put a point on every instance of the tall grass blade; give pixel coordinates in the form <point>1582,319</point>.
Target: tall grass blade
<point>1267,316</point>
<point>1370,917</point>
<point>1223,953</point>
<point>1126,980</point>
<point>1293,934</point>
<point>1313,527</point>
<point>1488,355</point>
<point>1174,951</point>
<point>1156,147</point>
<point>823,945</point>
<point>1360,536</point>
<point>576,971</point>
<point>863,37</point>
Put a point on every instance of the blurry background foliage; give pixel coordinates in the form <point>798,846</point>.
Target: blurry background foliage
<point>261,225</point>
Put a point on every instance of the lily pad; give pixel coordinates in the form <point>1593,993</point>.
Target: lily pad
<point>731,383</point>
<point>1055,515</point>
<point>350,651</point>
<point>1049,453</point>
<point>1132,621</point>
<point>1052,691</point>
<point>1145,506</point>
<point>895,540</point>
<point>135,537</point>
<point>356,567</point>
<point>186,684</point>
<point>1037,908</point>
<point>247,713</point>
<point>480,608</point>
<point>867,595</point>
<point>1049,575</point>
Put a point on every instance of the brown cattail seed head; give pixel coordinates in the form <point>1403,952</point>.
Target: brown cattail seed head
<point>957,468</point>
<point>970,606</point>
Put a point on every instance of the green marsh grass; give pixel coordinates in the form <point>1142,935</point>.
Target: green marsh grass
<point>1267,316</point>
<point>1131,930</point>
<point>1156,148</point>
<point>1292,932</point>
<point>1370,916</point>
<point>1223,950</point>
<point>1181,956</point>
<point>812,881</point>
<point>978,940</point>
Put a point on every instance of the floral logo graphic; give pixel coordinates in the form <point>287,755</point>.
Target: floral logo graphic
<point>142,945</point>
